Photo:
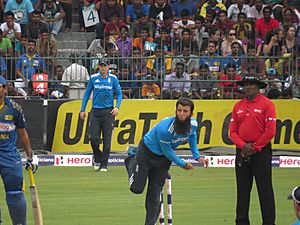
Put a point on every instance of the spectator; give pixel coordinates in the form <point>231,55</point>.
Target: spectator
<point>274,42</point>
<point>229,87</point>
<point>158,9</point>
<point>295,196</point>
<point>290,18</point>
<point>150,90</point>
<point>113,54</point>
<point>138,63</point>
<point>107,8</point>
<point>75,76</point>
<point>21,45</point>
<point>293,83</point>
<point>3,68</point>
<point>212,5</point>
<point>214,36</point>
<point>12,90</point>
<point>212,59</point>
<point>95,52</point>
<point>133,9</point>
<point>168,23</point>
<point>273,80</point>
<point>56,89</point>
<point>291,44</point>
<point>5,46</point>
<point>266,24</point>
<point>256,11</point>
<point>124,42</point>
<point>11,29</point>
<point>230,38</point>
<point>164,39</point>
<point>21,10</point>
<point>90,3</point>
<point>175,90</point>
<point>191,61</point>
<point>127,78</point>
<point>253,64</point>
<point>36,4</point>
<point>159,64</point>
<point>250,39</point>
<point>140,42</point>
<point>183,23</point>
<point>112,29</point>
<point>187,39</point>
<point>53,15</point>
<point>236,56</point>
<point>223,22</point>
<point>239,7</point>
<point>200,33</point>
<point>47,48</point>
<point>142,21</point>
<point>67,7</point>
<point>30,62</point>
<point>35,25</point>
<point>204,85</point>
<point>273,93</point>
<point>277,61</point>
<point>179,5</point>
<point>242,26</point>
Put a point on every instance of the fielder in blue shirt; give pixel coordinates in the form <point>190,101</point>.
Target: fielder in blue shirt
<point>12,122</point>
<point>295,196</point>
<point>156,153</point>
<point>104,86</point>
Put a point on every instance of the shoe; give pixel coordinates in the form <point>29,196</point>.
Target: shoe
<point>96,166</point>
<point>103,169</point>
<point>132,150</point>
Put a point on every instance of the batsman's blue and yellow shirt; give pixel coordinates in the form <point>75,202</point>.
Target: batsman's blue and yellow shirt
<point>163,140</point>
<point>11,118</point>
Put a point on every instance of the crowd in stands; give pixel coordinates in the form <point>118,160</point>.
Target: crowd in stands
<point>158,48</point>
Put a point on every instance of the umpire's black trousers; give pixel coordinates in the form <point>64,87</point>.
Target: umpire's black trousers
<point>155,168</point>
<point>101,122</point>
<point>259,166</point>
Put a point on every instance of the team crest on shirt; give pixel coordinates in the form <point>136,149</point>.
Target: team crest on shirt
<point>9,117</point>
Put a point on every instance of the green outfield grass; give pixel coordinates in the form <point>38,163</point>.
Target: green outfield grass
<point>80,196</point>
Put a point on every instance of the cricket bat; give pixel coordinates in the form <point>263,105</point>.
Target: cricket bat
<point>36,206</point>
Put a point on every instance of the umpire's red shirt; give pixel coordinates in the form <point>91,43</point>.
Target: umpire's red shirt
<point>253,122</point>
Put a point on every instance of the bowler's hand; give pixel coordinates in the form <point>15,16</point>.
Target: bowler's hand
<point>188,166</point>
<point>204,161</point>
<point>82,115</point>
<point>115,111</point>
<point>247,150</point>
<point>30,164</point>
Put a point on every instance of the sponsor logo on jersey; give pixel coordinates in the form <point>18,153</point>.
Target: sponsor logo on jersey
<point>7,127</point>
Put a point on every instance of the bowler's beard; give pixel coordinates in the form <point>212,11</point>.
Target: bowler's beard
<point>182,127</point>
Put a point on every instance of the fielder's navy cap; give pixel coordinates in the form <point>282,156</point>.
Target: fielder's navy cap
<point>2,80</point>
<point>104,61</point>
<point>295,195</point>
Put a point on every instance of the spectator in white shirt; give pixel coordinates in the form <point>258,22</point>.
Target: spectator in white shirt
<point>237,8</point>
<point>11,29</point>
<point>75,72</point>
<point>256,11</point>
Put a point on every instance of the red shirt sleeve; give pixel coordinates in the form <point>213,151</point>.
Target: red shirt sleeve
<point>270,127</point>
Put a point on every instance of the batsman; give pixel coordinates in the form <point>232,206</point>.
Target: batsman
<point>12,121</point>
<point>156,153</point>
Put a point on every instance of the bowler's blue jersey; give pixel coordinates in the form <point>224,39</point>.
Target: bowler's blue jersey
<point>104,90</point>
<point>162,140</point>
<point>11,118</point>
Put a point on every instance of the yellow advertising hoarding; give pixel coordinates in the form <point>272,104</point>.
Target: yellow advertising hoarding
<point>136,117</point>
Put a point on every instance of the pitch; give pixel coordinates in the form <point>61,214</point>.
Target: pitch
<point>81,196</point>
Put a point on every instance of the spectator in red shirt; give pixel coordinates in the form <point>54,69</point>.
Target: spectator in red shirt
<point>229,87</point>
<point>266,24</point>
<point>113,28</point>
<point>252,127</point>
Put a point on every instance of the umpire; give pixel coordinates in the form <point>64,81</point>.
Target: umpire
<point>252,127</point>
<point>104,86</point>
